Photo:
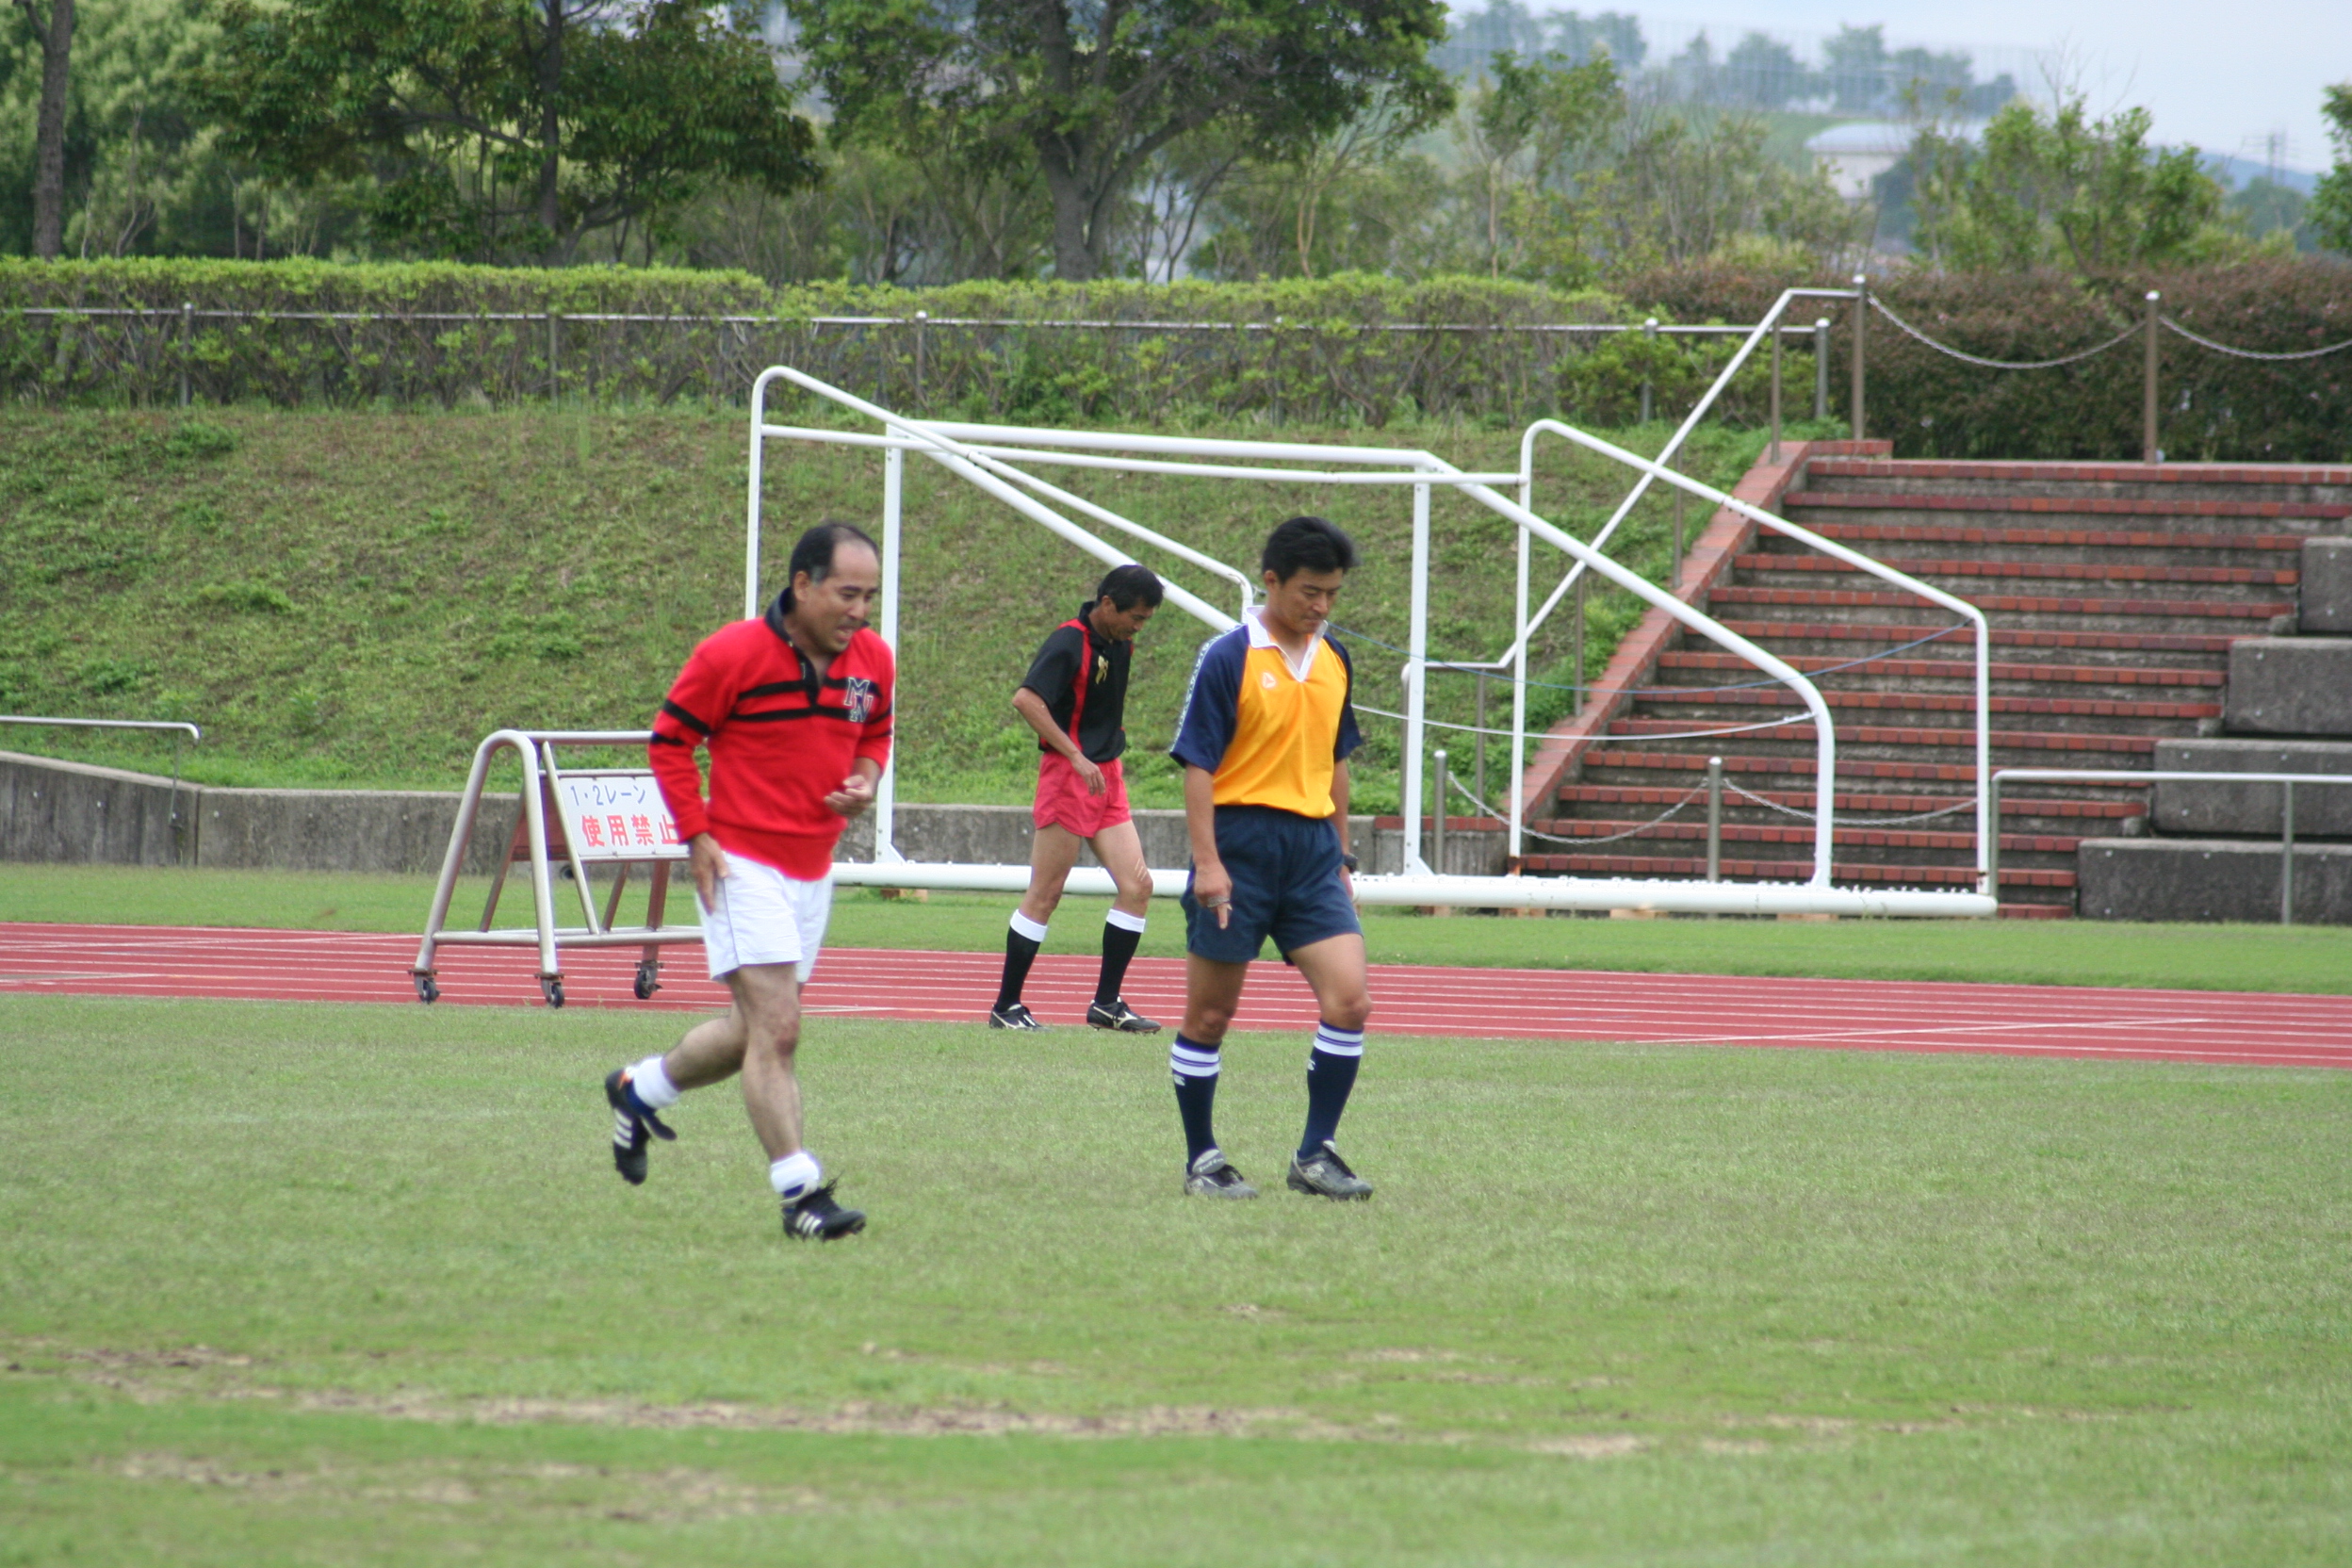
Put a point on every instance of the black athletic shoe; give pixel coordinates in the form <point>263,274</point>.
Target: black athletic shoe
<point>817,1218</point>
<point>1324,1174</point>
<point>1213,1176</point>
<point>1121,1018</point>
<point>1017,1016</point>
<point>631,1120</point>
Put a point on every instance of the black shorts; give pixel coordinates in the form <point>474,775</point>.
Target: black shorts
<point>1286,885</point>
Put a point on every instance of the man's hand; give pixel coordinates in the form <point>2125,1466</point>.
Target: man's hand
<point>1091,774</point>
<point>708,861</point>
<point>1213,888</point>
<point>854,795</point>
<point>1348,883</point>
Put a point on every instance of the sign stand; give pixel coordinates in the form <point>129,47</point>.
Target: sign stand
<point>578,818</point>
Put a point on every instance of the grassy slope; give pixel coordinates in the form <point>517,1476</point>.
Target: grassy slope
<point>2206,957</point>
<point>1716,1306</point>
<point>358,598</point>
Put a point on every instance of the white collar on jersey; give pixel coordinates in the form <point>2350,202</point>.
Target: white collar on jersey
<point>1252,619</point>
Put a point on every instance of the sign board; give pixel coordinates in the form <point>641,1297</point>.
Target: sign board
<point>616,814</point>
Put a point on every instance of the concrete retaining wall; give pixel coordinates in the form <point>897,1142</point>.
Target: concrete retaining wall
<point>2211,879</point>
<point>69,813</point>
<point>2325,598</point>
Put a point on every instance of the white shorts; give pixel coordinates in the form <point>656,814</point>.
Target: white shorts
<point>765,917</point>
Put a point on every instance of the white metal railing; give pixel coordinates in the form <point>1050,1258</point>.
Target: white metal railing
<point>176,728</point>
<point>2113,776</point>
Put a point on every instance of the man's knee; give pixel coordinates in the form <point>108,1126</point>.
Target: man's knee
<point>1207,1021</point>
<point>1348,1012</point>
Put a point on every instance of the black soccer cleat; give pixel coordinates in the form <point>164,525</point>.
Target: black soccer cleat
<point>1324,1174</point>
<point>1213,1176</point>
<point>1121,1018</point>
<point>1017,1016</point>
<point>631,1121</point>
<point>817,1218</point>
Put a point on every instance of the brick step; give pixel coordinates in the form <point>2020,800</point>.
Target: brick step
<point>2076,505</point>
<point>1573,864</point>
<point>1919,702</point>
<point>2067,544</point>
<point>1864,740</point>
<point>1795,833</point>
<point>2255,614</point>
<point>1794,772</point>
<point>2145,649</point>
<point>2107,810</point>
<point>1793,564</point>
<point>1909,477</point>
<point>1964,668</point>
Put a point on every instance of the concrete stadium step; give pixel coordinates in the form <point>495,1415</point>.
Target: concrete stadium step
<point>2011,748</point>
<point>2186,482</point>
<point>1793,773</point>
<point>1868,845</point>
<point>1597,863</point>
<point>1849,639</point>
<point>1760,569</point>
<point>1969,542</point>
<point>2107,815</point>
<point>2018,611</point>
<point>2063,714</point>
<point>1995,510</point>
<point>2120,683</point>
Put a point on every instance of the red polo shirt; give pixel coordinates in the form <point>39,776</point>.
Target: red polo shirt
<point>781,739</point>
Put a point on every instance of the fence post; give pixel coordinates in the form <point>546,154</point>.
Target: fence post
<point>2150,451</point>
<point>1649,329</point>
<point>1714,819</point>
<point>1480,779</point>
<point>2286,858</point>
<point>555,385</point>
<point>1821,367</point>
<point>188,340</point>
<point>1437,823</point>
<point>1992,849</point>
<point>1576,635</point>
<point>922,318</point>
<point>1776,403</point>
<point>1861,308</point>
<point>1682,500</point>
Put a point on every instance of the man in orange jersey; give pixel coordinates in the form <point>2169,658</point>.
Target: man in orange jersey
<point>796,707</point>
<point>1268,726</point>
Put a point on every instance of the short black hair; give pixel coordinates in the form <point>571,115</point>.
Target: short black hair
<point>1307,545</point>
<point>814,552</point>
<point>1130,585</point>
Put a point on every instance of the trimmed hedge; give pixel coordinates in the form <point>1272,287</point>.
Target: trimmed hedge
<point>2213,407</point>
<point>1353,349</point>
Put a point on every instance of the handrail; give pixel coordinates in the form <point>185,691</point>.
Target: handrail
<point>1853,558</point>
<point>2110,775</point>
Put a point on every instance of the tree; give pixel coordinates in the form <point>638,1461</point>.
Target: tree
<point>1763,72</point>
<point>2089,194</point>
<point>2330,213</point>
<point>503,130</point>
<point>1085,92</point>
<point>55,31</point>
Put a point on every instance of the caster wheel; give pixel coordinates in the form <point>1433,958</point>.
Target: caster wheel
<point>427,992</point>
<point>553,991</point>
<point>647,982</point>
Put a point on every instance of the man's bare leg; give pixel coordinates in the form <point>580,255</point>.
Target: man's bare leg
<point>1212,991</point>
<point>1334,967</point>
<point>767,999</point>
<point>1121,850</point>
<point>1053,850</point>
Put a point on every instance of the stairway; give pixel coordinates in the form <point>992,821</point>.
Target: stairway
<point>2114,591</point>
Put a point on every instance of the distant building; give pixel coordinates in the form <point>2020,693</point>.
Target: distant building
<point>1853,155</point>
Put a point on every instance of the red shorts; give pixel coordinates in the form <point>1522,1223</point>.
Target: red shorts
<point>1063,800</point>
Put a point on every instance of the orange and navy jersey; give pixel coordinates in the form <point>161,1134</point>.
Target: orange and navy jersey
<point>1269,731</point>
<point>781,739</point>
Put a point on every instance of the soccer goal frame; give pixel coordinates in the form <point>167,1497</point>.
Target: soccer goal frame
<point>997,459</point>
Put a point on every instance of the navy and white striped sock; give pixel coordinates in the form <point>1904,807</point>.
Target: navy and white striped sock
<point>1194,1067</point>
<point>1332,1065</point>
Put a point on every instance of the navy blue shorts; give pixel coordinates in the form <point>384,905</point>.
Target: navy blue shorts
<point>1285,870</point>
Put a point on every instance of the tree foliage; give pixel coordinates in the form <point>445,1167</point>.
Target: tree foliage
<point>506,129</point>
<point>1087,91</point>
<point>2060,188</point>
<point>2330,213</point>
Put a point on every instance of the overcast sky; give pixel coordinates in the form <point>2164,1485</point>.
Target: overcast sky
<point>2222,78</point>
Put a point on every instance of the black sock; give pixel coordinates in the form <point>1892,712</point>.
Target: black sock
<point>1330,1074</point>
<point>1118,946</point>
<point>1194,1067</point>
<point>1021,950</point>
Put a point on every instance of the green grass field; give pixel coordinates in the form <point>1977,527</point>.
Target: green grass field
<point>2064,952</point>
<point>312,1284</point>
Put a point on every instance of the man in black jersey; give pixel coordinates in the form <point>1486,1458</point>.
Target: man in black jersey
<point>1076,697</point>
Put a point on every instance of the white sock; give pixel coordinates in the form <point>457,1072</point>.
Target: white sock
<point>652,1084</point>
<point>794,1176</point>
<point>1031,930</point>
<point>1125,922</point>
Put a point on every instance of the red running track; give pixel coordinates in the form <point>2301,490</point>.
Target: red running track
<point>2244,1028</point>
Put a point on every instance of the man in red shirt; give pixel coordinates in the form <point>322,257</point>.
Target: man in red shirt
<point>796,707</point>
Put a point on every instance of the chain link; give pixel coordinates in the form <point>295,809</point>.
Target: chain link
<point>1847,822</point>
<point>1489,812</point>
<point>1880,307</point>
<point>2250,354</point>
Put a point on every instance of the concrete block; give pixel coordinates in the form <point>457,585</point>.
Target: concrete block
<point>2253,808</point>
<point>2326,593</point>
<point>69,813</point>
<point>2291,686</point>
<point>2210,879</point>
<point>349,830</point>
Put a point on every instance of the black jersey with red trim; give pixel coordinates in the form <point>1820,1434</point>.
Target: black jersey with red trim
<point>1082,675</point>
<point>782,737</point>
